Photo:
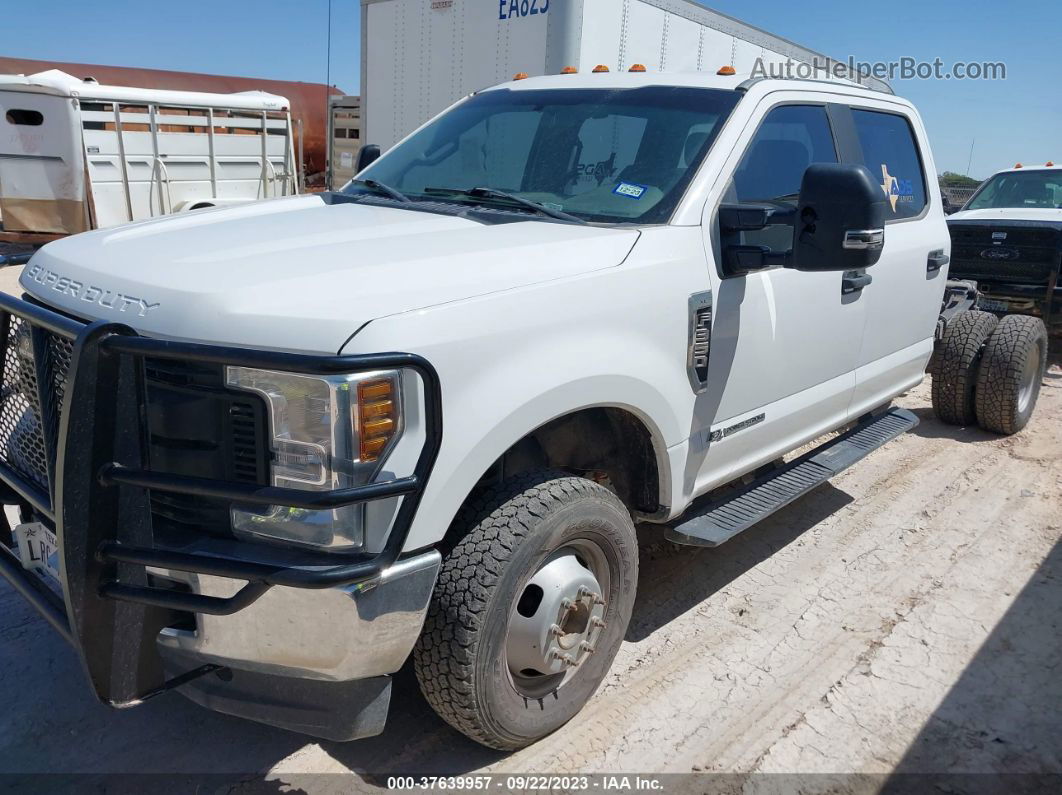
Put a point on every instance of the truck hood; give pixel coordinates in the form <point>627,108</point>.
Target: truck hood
<point>1008,214</point>
<point>302,274</point>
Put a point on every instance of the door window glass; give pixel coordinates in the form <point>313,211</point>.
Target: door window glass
<point>790,139</point>
<point>891,154</point>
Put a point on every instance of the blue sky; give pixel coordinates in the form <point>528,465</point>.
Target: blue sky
<point>1018,119</point>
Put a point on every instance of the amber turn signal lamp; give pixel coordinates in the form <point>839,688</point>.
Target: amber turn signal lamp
<point>376,417</point>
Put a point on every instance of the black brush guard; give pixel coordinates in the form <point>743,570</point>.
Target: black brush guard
<point>101,512</point>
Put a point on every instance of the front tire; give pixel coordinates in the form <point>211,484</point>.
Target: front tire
<point>1011,372</point>
<point>530,608</point>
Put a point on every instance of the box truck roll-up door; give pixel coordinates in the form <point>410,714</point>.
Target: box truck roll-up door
<point>42,174</point>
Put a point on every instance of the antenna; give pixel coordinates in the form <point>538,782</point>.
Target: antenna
<point>328,97</point>
<point>969,162</point>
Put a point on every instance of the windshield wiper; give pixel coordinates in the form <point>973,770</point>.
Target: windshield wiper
<point>491,193</point>
<point>379,187</point>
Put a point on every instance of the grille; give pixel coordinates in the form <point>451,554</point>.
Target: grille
<point>31,400</point>
<point>246,433</point>
<point>199,428</point>
<point>29,414</point>
<point>1027,255</point>
<point>1019,236</point>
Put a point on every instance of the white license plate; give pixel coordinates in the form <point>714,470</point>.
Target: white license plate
<point>39,551</point>
<point>989,305</point>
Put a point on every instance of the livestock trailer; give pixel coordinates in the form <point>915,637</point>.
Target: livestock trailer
<point>76,155</point>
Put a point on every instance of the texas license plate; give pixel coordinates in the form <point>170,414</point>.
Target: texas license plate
<point>988,305</point>
<point>39,551</point>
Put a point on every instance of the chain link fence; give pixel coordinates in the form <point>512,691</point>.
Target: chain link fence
<point>957,196</point>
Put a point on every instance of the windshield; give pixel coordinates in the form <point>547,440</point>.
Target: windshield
<point>604,155</point>
<point>1041,189</point>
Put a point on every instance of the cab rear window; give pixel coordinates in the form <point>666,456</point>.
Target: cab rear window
<point>891,154</point>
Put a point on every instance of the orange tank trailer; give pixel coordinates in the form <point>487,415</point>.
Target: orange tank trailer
<point>308,100</point>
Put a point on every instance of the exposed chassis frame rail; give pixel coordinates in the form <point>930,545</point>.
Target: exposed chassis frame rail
<point>101,508</point>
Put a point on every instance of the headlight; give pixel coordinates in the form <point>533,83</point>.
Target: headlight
<point>326,432</point>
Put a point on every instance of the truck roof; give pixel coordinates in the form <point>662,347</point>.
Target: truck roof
<point>686,79</point>
<point>61,84</point>
<point>1048,166</point>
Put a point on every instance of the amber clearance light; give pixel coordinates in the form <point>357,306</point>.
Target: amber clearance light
<point>377,417</point>
<point>727,71</point>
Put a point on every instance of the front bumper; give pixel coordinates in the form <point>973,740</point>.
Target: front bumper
<point>312,661</point>
<point>1043,301</point>
<point>125,587</point>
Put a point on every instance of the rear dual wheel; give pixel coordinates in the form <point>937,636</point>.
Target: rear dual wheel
<point>989,371</point>
<point>957,363</point>
<point>530,608</point>
<point>1011,372</point>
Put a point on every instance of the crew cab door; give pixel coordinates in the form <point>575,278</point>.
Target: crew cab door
<point>903,301</point>
<point>784,344</point>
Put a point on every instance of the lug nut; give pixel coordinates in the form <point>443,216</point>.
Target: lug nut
<point>587,647</point>
<point>556,630</point>
<point>597,599</point>
<point>566,603</point>
<point>598,622</point>
<point>569,660</point>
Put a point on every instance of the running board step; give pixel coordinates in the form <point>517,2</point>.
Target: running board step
<point>722,520</point>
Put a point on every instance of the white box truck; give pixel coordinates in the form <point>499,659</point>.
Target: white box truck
<point>419,56</point>
<point>76,155</point>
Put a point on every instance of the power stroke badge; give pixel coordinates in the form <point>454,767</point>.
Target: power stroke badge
<point>90,293</point>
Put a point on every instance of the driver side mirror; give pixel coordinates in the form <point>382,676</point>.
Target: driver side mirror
<point>840,219</point>
<point>367,155</point>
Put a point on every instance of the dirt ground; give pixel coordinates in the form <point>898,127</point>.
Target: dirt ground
<point>903,618</point>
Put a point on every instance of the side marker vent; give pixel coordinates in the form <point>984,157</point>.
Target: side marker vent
<point>700,340</point>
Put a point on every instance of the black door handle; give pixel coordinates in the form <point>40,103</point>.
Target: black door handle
<point>854,282</point>
<point>937,260</point>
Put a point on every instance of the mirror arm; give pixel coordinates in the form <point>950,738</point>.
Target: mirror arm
<point>740,260</point>
<point>753,217</point>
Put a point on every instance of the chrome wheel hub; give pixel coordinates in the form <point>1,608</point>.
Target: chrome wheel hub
<point>557,620</point>
<point>1029,378</point>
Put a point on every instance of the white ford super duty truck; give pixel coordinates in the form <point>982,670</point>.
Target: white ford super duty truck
<point>264,454</point>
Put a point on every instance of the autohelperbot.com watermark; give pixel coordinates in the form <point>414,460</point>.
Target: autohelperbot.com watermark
<point>905,68</point>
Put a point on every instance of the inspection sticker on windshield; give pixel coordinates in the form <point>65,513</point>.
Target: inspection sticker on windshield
<point>630,190</point>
